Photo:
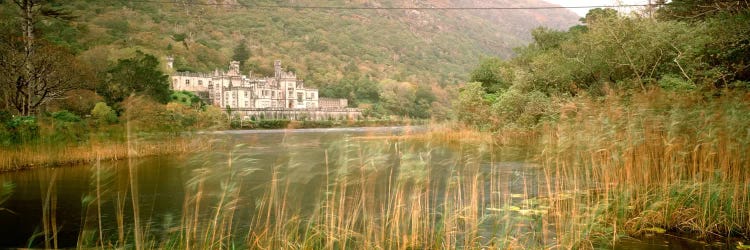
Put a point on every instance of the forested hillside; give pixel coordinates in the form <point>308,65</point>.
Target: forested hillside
<point>345,52</point>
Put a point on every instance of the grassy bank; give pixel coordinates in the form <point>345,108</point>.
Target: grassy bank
<point>51,155</point>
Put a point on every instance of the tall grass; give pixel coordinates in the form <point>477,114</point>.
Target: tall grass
<point>627,166</point>
<point>27,156</point>
<point>400,192</point>
<point>649,163</point>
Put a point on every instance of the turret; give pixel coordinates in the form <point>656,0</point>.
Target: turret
<point>277,68</point>
<point>234,68</point>
<point>170,62</point>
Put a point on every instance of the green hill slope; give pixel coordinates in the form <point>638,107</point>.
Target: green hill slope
<point>430,45</point>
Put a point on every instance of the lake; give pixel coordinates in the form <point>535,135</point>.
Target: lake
<point>317,188</point>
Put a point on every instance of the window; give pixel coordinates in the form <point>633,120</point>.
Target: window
<point>187,81</point>
<point>200,82</point>
<point>299,97</point>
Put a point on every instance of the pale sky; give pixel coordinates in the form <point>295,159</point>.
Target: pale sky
<point>583,11</point>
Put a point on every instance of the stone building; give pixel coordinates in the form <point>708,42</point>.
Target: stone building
<point>278,96</point>
<point>233,90</point>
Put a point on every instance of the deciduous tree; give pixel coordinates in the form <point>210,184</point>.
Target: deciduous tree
<point>137,75</point>
<point>32,72</point>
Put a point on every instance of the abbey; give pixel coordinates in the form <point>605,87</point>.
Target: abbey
<point>235,91</point>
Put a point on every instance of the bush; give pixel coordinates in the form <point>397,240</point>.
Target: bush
<point>519,108</point>
<point>103,114</point>
<point>271,124</point>
<point>317,124</point>
<point>675,83</point>
<point>211,118</point>
<point>67,127</point>
<point>22,129</point>
<point>65,116</point>
<point>180,115</point>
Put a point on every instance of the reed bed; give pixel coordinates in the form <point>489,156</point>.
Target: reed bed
<point>396,193</point>
<point>664,162</point>
<point>45,155</point>
<point>602,172</point>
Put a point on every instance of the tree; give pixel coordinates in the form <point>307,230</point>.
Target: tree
<point>701,9</point>
<point>34,73</point>
<point>488,73</point>
<point>398,97</point>
<point>471,107</point>
<point>32,80</point>
<point>241,54</point>
<point>103,114</point>
<point>137,75</point>
<point>546,38</point>
<point>599,14</point>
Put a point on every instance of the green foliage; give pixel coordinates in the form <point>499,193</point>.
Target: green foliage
<point>241,54</point>
<point>518,108</point>
<point>599,14</point>
<point>21,129</point>
<point>546,38</point>
<point>67,127</point>
<point>471,106</point>
<point>488,73</point>
<point>609,55</point>
<point>270,124</point>
<point>65,116</point>
<point>355,88</point>
<point>675,83</point>
<point>137,75</point>
<point>187,98</point>
<point>103,114</point>
<point>696,10</point>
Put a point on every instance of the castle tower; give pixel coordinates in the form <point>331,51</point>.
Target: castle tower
<point>170,62</point>
<point>277,68</point>
<point>234,68</point>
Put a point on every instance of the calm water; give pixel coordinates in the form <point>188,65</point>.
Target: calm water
<point>245,163</point>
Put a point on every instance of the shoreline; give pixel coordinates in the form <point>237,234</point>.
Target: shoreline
<point>28,157</point>
<point>32,156</point>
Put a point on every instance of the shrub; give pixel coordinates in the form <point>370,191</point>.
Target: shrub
<point>65,116</point>
<point>211,118</point>
<point>67,127</point>
<point>22,129</point>
<point>271,124</point>
<point>103,114</point>
<point>675,83</point>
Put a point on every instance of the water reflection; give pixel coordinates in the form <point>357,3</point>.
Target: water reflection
<point>320,188</point>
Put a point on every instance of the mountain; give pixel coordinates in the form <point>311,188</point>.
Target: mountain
<point>321,45</point>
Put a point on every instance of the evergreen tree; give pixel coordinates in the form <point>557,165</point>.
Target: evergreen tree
<point>137,75</point>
